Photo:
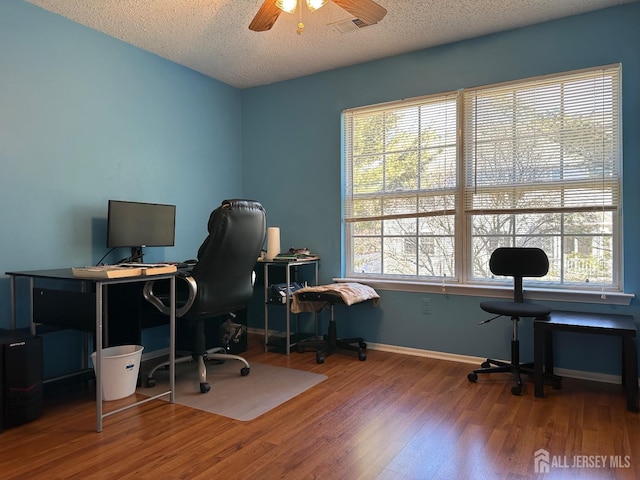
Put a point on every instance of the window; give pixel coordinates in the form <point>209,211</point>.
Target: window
<point>433,185</point>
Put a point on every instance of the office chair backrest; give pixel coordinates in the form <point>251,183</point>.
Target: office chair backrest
<point>227,258</point>
<point>519,262</point>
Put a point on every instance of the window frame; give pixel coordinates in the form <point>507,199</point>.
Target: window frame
<point>463,281</point>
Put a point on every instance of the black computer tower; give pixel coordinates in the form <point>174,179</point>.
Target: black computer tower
<point>20,378</point>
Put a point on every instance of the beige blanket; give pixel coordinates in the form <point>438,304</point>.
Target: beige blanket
<point>349,292</point>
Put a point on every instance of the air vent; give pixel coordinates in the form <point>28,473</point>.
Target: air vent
<point>347,26</point>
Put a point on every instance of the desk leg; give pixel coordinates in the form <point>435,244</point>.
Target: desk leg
<point>538,358</point>
<point>630,372</point>
<point>548,352</point>
<point>266,307</point>
<point>172,340</point>
<point>98,359</point>
<point>288,311</point>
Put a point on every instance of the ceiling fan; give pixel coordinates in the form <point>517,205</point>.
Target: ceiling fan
<point>367,11</point>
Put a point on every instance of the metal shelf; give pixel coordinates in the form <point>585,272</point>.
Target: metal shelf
<point>289,337</point>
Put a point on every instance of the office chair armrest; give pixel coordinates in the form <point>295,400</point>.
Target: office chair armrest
<point>157,302</point>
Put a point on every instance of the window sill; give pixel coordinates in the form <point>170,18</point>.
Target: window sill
<point>544,294</point>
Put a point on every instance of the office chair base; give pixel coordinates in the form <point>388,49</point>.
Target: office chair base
<point>326,346</point>
<point>516,369</point>
<point>330,343</point>
<point>218,354</point>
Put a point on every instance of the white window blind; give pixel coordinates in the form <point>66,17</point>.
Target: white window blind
<point>543,145</point>
<point>400,170</point>
<point>542,169</point>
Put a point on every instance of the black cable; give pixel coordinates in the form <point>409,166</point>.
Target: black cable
<point>104,256</point>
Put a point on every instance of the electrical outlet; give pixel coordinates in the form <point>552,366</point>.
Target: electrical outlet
<point>426,306</point>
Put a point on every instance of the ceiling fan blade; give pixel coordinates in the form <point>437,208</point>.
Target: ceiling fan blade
<point>366,10</point>
<point>266,17</point>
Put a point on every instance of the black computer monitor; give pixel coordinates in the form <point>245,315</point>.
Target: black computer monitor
<point>136,225</point>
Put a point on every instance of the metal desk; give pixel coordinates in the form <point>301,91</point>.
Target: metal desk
<point>65,276</point>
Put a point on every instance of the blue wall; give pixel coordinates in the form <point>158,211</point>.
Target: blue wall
<point>85,117</point>
<point>294,126</point>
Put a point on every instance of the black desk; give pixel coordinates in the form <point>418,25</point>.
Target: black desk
<point>622,326</point>
<point>98,289</point>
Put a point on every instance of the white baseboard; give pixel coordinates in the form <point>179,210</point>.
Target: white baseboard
<point>563,372</point>
<point>454,357</point>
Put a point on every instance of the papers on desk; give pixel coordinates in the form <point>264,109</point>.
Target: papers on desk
<point>123,270</point>
<point>106,271</point>
<point>152,268</point>
<point>295,257</point>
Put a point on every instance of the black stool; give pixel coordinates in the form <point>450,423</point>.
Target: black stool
<point>330,343</point>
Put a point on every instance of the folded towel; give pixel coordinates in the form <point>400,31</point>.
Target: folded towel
<point>350,293</point>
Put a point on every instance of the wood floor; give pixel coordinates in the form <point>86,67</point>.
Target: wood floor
<point>390,417</point>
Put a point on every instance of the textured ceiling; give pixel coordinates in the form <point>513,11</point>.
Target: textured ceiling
<point>212,36</point>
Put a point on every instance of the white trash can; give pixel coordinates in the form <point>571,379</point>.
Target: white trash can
<point>120,366</point>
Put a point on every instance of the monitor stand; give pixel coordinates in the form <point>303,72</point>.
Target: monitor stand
<point>136,255</point>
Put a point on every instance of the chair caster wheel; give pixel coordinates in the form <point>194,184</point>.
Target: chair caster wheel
<point>362,345</point>
<point>204,387</point>
<point>150,382</point>
<point>244,371</point>
<point>319,358</point>
<point>517,390</point>
<point>362,356</point>
<point>472,377</point>
<point>485,365</point>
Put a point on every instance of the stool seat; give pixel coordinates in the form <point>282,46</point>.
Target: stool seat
<point>307,296</point>
<point>515,309</point>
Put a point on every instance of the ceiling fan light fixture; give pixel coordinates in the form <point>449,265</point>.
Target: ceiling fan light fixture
<point>288,6</point>
<point>315,4</point>
<point>368,12</point>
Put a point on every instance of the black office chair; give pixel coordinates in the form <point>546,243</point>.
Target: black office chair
<point>517,263</point>
<point>219,284</point>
